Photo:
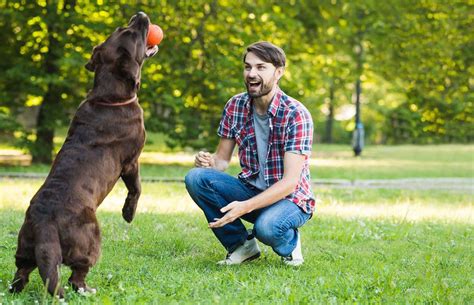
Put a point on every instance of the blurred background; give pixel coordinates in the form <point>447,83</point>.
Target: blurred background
<point>407,63</point>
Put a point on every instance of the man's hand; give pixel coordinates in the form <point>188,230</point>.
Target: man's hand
<point>234,210</point>
<point>204,159</point>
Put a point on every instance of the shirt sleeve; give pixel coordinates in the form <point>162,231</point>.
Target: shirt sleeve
<point>225,129</point>
<point>299,132</point>
<point>300,152</point>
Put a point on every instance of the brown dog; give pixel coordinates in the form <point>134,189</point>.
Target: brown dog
<point>104,141</point>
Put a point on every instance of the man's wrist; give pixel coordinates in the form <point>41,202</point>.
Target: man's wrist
<point>220,165</point>
<point>248,206</point>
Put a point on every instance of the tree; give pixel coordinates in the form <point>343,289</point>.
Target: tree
<point>427,46</point>
<point>49,43</point>
<point>415,72</point>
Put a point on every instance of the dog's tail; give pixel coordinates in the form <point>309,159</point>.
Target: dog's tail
<point>49,257</point>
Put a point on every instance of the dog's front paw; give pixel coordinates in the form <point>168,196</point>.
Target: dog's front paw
<point>128,212</point>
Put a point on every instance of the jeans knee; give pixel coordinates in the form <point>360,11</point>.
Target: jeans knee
<point>268,231</point>
<point>193,178</point>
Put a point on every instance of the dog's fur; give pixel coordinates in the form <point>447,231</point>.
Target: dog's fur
<point>104,141</point>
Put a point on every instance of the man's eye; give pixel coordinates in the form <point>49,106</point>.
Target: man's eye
<point>261,68</point>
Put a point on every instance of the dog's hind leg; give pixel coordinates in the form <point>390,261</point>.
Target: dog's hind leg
<point>84,249</point>
<point>25,266</point>
<point>77,279</point>
<point>49,258</point>
<point>24,258</point>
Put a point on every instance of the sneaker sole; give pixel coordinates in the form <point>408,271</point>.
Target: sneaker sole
<point>294,263</point>
<point>252,257</point>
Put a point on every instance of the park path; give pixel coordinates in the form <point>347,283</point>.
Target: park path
<point>16,157</point>
<point>466,184</point>
<point>453,184</point>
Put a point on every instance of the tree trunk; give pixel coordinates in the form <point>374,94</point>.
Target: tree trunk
<point>43,146</point>
<point>330,117</point>
<point>50,109</point>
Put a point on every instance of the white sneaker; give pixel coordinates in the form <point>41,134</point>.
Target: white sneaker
<point>296,257</point>
<point>247,252</point>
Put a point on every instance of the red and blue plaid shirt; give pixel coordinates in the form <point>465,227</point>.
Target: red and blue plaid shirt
<point>291,129</point>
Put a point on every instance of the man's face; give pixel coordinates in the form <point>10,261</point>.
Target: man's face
<point>260,77</point>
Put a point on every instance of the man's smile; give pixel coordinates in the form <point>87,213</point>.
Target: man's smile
<point>254,84</point>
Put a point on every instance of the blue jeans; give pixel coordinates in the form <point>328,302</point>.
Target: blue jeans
<point>275,225</point>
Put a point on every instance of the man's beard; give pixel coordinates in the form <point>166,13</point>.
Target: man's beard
<point>265,88</point>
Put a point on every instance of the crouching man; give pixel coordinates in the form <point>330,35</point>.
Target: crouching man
<point>274,134</point>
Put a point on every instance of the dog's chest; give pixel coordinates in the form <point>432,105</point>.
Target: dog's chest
<point>120,130</point>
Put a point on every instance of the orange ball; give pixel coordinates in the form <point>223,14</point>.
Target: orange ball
<point>155,35</point>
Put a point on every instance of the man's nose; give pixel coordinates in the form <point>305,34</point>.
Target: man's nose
<point>252,72</point>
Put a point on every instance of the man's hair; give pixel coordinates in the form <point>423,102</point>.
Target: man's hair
<point>267,52</point>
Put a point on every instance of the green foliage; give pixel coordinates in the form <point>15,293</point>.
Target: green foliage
<point>445,123</point>
<point>7,123</point>
<point>427,46</point>
<point>414,56</point>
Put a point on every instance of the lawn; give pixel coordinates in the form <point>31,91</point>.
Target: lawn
<point>363,246</point>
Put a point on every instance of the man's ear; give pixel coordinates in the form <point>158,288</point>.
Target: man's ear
<point>95,59</point>
<point>279,72</point>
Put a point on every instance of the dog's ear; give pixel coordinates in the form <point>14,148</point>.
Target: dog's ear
<point>95,59</point>
<point>128,68</point>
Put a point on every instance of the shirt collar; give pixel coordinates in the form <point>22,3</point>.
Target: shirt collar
<point>272,110</point>
<point>274,104</point>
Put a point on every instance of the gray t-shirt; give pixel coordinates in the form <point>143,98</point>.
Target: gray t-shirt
<point>262,131</point>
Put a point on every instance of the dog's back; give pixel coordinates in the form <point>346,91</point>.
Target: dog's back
<point>101,140</point>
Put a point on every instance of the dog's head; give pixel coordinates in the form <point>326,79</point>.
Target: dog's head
<point>123,53</point>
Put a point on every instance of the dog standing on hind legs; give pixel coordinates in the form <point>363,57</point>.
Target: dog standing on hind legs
<point>103,144</point>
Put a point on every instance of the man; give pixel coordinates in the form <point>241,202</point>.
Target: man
<point>274,134</point>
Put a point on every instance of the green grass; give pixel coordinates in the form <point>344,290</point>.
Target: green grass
<point>164,260</point>
<point>167,255</point>
<point>331,161</point>
<point>362,245</point>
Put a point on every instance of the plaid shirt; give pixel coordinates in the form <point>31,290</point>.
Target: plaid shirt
<point>291,129</point>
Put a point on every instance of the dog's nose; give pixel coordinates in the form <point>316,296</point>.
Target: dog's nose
<point>140,16</point>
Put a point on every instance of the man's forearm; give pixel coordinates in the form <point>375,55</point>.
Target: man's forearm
<point>274,193</point>
<point>271,195</point>
<point>220,164</point>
